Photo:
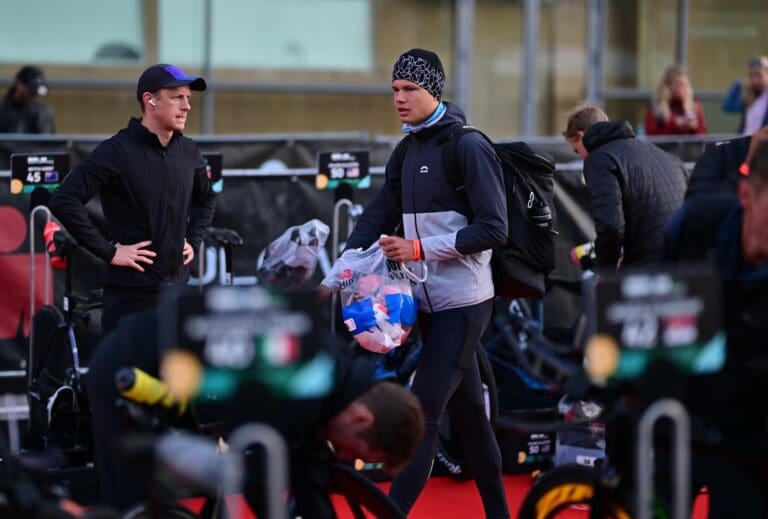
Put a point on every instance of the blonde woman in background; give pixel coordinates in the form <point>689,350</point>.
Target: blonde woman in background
<point>674,111</point>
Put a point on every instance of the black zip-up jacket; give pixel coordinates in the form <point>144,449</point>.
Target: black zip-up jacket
<point>148,192</point>
<point>634,187</point>
<point>431,208</point>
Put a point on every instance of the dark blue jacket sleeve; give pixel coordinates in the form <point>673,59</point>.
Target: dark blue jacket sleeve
<point>383,214</point>
<point>486,195</point>
<point>732,102</point>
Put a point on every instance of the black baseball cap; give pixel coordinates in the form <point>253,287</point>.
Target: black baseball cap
<point>166,76</point>
<point>34,79</point>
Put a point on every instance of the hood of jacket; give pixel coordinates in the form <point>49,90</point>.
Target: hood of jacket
<point>602,133</point>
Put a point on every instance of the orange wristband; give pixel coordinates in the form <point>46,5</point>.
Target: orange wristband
<point>416,249</point>
<point>744,169</point>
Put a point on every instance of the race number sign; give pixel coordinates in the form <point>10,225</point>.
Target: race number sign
<point>241,335</point>
<point>335,167</point>
<point>672,313</point>
<point>30,171</point>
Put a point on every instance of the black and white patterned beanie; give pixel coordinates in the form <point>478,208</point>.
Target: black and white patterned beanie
<point>422,67</point>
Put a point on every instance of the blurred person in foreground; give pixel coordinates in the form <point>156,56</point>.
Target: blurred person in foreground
<point>674,111</point>
<point>155,192</point>
<point>732,232</point>
<point>633,187</point>
<point>355,417</point>
<point>22,109</point>
<point>750,97</point>
<point>453,232</point>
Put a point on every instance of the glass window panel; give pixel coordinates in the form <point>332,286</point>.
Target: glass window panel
<point>71,31</point>
<point>271,34</point>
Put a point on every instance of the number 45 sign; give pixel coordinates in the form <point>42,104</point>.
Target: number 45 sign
<point>30,171</point>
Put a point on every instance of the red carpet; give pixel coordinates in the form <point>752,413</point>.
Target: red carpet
<point>445,498</point>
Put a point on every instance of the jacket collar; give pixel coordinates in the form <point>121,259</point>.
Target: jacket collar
<point>453,116</point>
<point>139,131</point>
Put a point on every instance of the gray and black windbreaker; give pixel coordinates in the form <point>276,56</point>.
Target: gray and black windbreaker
<point>457,226</point>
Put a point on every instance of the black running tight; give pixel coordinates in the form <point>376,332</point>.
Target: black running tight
<point>448,377</point>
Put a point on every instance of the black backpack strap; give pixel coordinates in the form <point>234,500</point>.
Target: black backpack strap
<point>395,175</point>
<point>451,161</point>
<point>448,140</point>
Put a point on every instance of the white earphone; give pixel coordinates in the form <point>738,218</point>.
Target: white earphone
<point>152,102</point>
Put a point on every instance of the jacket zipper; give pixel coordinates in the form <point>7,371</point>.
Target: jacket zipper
<point>415,221</point>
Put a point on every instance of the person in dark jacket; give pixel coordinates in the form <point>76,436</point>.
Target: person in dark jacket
<point>155,192</point>
<point>723,164</point>
<point>732,232</point>
<point>22,109</point>
<point>452,231</point>
<point>634,187</point>
<point>360,416</point>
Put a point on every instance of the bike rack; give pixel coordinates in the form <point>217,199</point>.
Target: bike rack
<point>201,264</point>
<point>353,213</point>
<point>33,279</point>
<point>276,455</point>
<point>681,451</point>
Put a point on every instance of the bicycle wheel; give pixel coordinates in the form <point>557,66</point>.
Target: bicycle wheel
<point>562,488</point>
<point>361,494</point>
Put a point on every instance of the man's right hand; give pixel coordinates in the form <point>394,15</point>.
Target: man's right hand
<point>131,256</point>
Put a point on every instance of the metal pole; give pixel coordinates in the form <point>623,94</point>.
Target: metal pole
<point>201,264</point>
<point>465,35</point>
<point>33,280</point>
<point>344,202</point>
<point>681,453</point>
<point>683,11</point>
<point>531,15</point>
<point>208,101</point>
<point>276,454</point>
<point>595,37</point>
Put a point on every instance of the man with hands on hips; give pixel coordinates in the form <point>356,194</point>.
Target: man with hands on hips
<point>155,194</point>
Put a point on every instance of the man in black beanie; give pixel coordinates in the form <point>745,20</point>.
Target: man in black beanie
<point>452,231</point>
<point>22,110</point>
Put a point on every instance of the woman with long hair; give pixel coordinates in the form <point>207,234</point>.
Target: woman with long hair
<point>674,110</point>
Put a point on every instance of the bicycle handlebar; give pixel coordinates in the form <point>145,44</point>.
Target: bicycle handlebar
<point>140,387</point>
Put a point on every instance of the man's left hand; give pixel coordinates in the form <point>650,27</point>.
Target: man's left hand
<point>397,248</point>
<point>188,254</point>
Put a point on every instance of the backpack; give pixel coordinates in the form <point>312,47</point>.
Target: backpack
<point>520,266</point>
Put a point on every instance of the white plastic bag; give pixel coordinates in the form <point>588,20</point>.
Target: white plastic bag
<point>376,300</point>
<point>290,260</point>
